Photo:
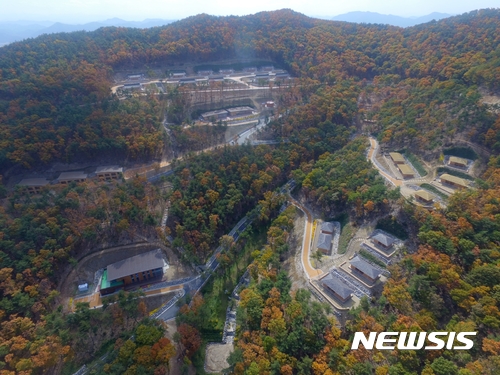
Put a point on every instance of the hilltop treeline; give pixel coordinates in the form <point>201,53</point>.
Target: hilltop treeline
<point>54,90</point>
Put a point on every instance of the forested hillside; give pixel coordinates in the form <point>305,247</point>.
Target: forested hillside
<point>416,88</point>
<point>61,82</point>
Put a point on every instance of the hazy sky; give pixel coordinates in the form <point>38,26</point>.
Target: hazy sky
<point>80,11</point>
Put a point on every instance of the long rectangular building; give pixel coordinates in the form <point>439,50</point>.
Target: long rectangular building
<point>142,267</point>
<point>453,181</point>
<point>397,158</point>
<point>214,115</point>
<point>34,185</point>
<point>458,162</point>
<point>108,173</point>
<point>406,170</point>
<point>240,111</point>
<point>67,177</point>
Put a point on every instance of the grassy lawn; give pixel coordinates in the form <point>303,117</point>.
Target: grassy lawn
<point>416,164</point>
<point>392,226</point>
<point>462,152</point>
<point>372,258</point>
<point>455,173</point>
<point>345,236</point>
<point>434,190</point>
<point>219,288</point>
<point>216,298</point>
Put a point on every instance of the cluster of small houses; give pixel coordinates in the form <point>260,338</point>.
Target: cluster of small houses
<point>448,180</point>
<point>252,74</point>
<point>105,173</point>
<point>358,276</point>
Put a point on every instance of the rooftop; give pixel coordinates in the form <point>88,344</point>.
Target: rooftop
<point>109,168</point>
<point>65,176</point>
<point>34,182</point>
<point>383,239</point>
<point>324,241</point>
<point>337,286</point>
<point>327,227</point>
<point>457,160</point>
<point>455,180</point>
<point>236,109</point>
<point>136,264</point>
<point>365,267</point>
<point>105,283</point>
<point>215,113</point>
<point>405,169</point>
<point>424,195</point>
<point>396,156</point>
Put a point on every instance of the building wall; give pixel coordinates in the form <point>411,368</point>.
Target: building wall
<point>381,244</point>
<point>422,200</point>
<point>364,274</point>
<point>337,296</point>
<point>65,182</point>
<point>451,183</point>
<point>142,276</point>
<point>34,189</point>
<point>324,251</point>
<point>109,176</point>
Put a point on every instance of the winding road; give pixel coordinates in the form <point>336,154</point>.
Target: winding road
<point>306,243</point>
<point>371,156</point>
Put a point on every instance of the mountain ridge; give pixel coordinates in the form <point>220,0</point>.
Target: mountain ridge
<point>18,30</point>
<point>389,19</point>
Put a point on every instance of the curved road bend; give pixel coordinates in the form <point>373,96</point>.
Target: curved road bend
<point>306,244</point>
<point>371,156</point>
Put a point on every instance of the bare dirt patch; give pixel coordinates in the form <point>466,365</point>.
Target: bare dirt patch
<point>216,357</point>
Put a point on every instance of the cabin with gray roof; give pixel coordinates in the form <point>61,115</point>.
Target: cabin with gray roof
<point>327,227</point>
<point>383,240</point>
<point>337,288</point>
<point>360,266</point>
<point>325,243</point>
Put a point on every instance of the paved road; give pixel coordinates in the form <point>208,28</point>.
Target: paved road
<point>306,243</point>
<point>371,156</point>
